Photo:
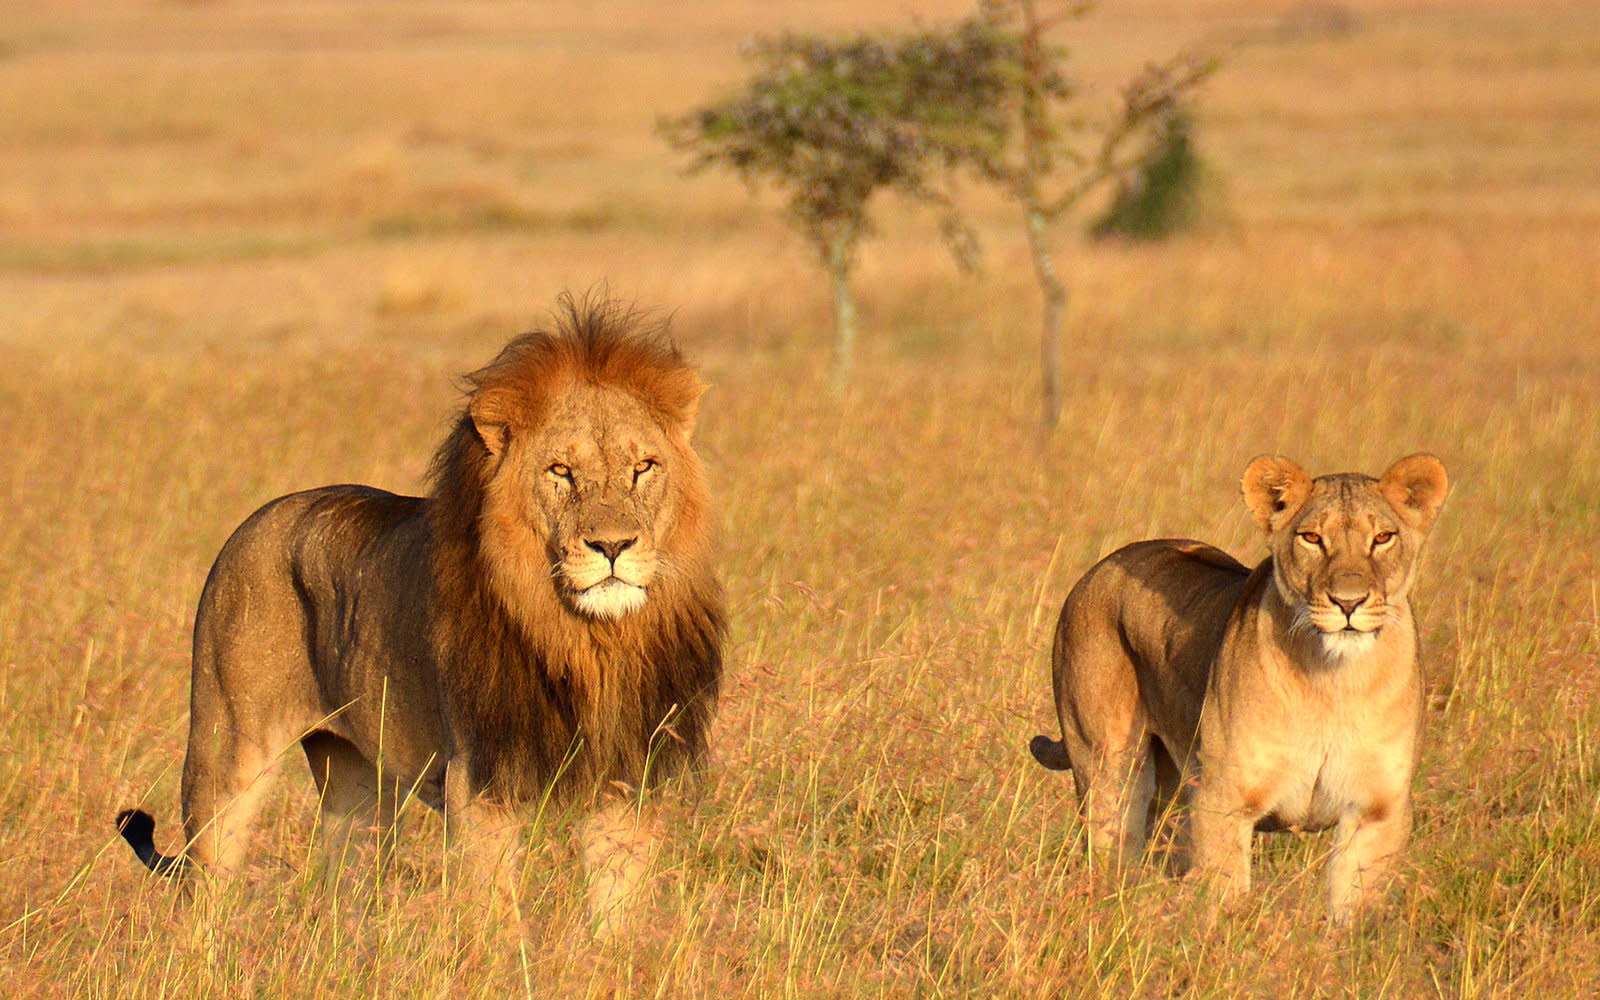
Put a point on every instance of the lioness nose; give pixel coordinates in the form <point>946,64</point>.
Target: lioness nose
<point>1348,604</point>
<point>611,548</point>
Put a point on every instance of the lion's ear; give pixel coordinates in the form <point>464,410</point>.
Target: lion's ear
<point>491,418</point>
<point>1415,487</point>
<point>1274,490</point>
<point>679,398</point>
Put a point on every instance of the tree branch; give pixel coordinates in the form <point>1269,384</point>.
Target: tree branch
<point>1156,90</point>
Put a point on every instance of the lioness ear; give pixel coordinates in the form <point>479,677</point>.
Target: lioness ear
<point>1274,490</point>
<point>491,418</point>
<point>1415,487</point>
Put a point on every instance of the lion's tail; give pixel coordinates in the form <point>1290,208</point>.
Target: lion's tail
<point>138,829</point>
<point>1051,753</point>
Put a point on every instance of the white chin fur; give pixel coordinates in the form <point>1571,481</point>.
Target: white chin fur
<point>610,599</point>
<point>1345,644</point>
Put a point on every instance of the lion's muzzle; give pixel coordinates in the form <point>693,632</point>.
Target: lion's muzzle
<point>610,573</point>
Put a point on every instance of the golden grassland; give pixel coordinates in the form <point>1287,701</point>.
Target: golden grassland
<point>244,247</point>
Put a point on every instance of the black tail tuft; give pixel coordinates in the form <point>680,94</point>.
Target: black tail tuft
<point>139,830</point>
<point>1051,753</point>
<point>137,827</point>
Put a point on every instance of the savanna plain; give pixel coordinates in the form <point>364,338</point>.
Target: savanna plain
<point>246,247</point>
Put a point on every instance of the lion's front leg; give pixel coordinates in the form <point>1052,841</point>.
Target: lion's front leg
<point>619,842</point>
<point>1364,846</point>
<point>489,839</point>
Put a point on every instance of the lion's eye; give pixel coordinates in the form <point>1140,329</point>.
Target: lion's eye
<point>643,466</point>
<point>1383,538</point>
<point>561,471</point>
<point>1311,538</point>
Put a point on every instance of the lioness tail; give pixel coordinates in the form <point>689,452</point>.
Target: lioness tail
<point>1051,753</point>
<point>138,829</point>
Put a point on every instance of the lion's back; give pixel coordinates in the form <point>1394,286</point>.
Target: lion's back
<point>310,538</point>
<point>314,592</point>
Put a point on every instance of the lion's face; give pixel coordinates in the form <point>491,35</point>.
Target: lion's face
<point>593,488</point>
<point>1345,547</point>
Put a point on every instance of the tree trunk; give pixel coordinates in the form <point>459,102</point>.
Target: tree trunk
<point>841,257</point>
<point>1037,164</point>
<point>1054,305</point>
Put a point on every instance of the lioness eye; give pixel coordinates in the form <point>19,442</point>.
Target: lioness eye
<point>1311,538</point>
<point>1383,538</point>
<point>561,472</point>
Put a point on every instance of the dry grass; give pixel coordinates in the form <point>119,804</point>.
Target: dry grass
<point>243,247</point>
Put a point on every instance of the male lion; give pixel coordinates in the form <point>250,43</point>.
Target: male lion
<point>1292,689</point>
<point>544,626</point>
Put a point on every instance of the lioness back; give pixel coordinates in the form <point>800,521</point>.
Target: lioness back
<point>1150,608</point>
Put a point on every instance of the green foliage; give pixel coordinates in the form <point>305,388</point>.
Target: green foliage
<point>833,122</point>
<point>1160,195</point>
<point>1046,147</point>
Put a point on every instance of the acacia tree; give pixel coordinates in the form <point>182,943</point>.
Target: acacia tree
<point>834,122</point>
<point>1049,155</point>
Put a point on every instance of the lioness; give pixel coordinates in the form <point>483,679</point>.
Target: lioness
<point>543,627</point>
<point>1291,690</point>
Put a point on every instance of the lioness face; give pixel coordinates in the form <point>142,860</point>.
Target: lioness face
<point>597,483</point>
<point>1345,546</point>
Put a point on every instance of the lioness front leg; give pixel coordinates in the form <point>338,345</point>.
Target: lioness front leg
<point>489,837</point>
<point>619,842</point>
<point>1220,830</point>
<point>1364,845</point>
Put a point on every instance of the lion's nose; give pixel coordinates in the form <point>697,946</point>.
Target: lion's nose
<point>1348,604</point>
<point>611,548</point>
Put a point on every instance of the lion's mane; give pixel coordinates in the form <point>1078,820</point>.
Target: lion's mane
<point>545,700</point>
